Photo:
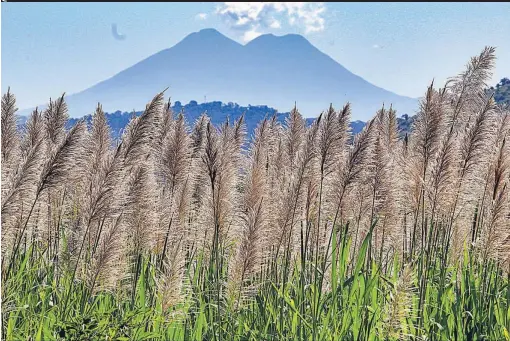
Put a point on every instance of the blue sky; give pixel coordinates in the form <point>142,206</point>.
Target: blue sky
<point>50,48</point>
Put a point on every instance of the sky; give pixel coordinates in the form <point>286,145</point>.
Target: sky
<point>51,48</point>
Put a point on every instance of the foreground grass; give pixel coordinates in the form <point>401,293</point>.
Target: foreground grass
<point>468,301</point>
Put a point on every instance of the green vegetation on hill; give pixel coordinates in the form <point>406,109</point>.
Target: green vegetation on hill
<point>501,91</point>
<point>218,112</point>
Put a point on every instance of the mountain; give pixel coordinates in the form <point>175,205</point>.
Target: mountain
<point>275,70</point>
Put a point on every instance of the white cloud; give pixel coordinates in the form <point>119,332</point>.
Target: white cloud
<point>377,46</point>
<point>201,16</point>
<point>250,35</point>
<point>251,17</point>
<point>275,24</point>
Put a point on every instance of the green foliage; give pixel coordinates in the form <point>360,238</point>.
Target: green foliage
<point>501,91</point>
<point>468,301</point>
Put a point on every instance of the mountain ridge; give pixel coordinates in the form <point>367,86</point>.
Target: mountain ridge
<point>217,111</point>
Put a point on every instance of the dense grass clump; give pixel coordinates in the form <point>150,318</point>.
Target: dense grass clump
<point>297,233</point>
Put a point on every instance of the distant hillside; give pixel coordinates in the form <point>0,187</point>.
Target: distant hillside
<point>217,111</point>
<point>502,91</point>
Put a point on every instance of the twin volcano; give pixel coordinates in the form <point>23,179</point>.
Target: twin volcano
<point>270,70</point>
